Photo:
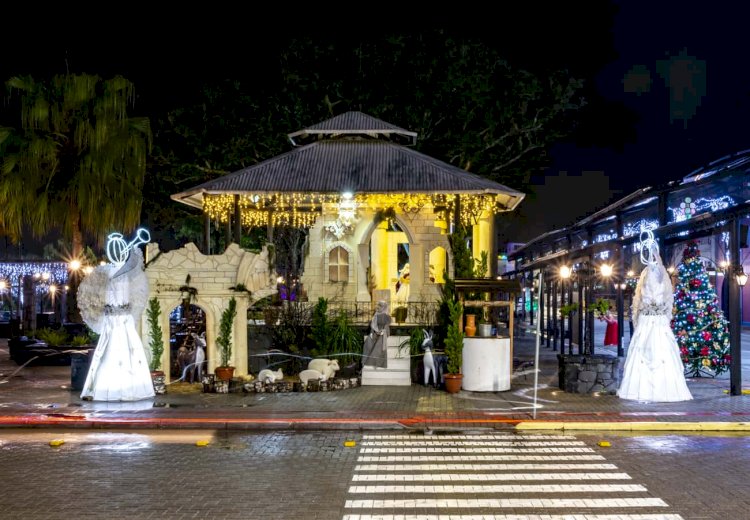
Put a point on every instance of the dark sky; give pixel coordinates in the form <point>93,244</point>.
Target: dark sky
<point>695,114</point>
<point>679,73</point>
<point>682,74</point>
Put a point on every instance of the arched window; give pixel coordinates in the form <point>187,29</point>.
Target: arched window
<point>338,265</point>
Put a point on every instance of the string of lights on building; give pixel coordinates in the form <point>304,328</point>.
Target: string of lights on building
<point>302,209</point>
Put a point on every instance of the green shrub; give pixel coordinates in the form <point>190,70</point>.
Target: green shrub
<point>224,340</point>
<point>155,334</point>
<point>414,343</point>
<point>79,341</point>
<point>345,341</point>
<point>320,329</point>
<point>52,337</point>
<point>454,341</point>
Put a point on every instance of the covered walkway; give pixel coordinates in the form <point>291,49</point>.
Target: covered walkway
<point>598,256</point>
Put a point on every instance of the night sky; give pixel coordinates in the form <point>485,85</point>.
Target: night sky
<point>672,83</point>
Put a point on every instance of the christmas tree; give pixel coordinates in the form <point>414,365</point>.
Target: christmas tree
<point>698,323</point>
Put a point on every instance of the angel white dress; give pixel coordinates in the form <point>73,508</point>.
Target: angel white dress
<point>653,370</point>
<point>119,367</point>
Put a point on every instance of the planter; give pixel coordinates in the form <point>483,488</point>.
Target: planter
<point>79,368</point>
<point>470,329</point>
<point>400,314</point>
<point>159,380</point>
<point>453,383</point>
<point>224,373</point>
<point>484,330</point>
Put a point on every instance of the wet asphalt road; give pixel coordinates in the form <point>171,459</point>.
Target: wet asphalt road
<point>313,475</point>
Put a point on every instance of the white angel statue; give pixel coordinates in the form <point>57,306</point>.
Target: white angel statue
<point>653,370</point>
<point>111,298</point>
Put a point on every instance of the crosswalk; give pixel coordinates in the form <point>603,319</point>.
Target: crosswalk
<point>492,477</point>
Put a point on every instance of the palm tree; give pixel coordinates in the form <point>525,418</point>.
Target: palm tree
<point>80,161</point>
<point>77,162</point>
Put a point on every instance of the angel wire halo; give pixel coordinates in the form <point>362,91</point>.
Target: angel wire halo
<point>118,249</point>
<point>650,247</point>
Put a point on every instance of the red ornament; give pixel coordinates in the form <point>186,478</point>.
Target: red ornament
<point>695,283</point>
<point>704,351</point>
<point>691,318</point>
<point>706,335</point>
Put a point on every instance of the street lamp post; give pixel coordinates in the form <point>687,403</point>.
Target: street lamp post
<point>565,273</point>
<point>735,325</point>
<point>605,270</point>
<point>620,287</point>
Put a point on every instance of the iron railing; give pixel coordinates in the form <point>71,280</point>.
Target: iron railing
<point>360,313</point>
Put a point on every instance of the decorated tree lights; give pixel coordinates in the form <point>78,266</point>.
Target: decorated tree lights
<point>698,323</point>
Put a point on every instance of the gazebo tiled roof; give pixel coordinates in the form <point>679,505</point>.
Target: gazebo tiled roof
<point>353,123</point>
<point>347,158</point>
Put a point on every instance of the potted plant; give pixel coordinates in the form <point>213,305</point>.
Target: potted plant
<point>454,345</point>
<point>568,309</point>
<point>484,329</point>
<point>600,308</point>
<point>224,371</point>
<point>156,344</point>
<point>412,347</point>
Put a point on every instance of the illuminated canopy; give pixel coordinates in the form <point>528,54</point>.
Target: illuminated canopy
<point>353,153</point>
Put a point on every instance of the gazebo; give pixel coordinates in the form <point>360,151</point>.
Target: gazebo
<point>371,202</point>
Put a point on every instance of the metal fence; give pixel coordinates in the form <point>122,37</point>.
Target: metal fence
<point>360,313</point>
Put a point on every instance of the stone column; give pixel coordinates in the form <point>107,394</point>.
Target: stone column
<point>363,262</point>
<point>239,351</point>
<point>416,271</point>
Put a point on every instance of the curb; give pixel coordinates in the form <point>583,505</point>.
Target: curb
<point>635,426</point>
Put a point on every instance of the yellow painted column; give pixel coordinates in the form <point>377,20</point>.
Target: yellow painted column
<point>379,256</point>
<point>482,239</point>
<point>394,239</point>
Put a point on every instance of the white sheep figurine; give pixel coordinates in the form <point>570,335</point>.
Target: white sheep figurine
<point>269,376</point>
<point>311,375</point>
<point>327,367</point>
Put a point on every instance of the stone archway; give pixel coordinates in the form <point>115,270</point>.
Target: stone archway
<point>377,237</point>
<point>423,236</point>
<point>216,279</point>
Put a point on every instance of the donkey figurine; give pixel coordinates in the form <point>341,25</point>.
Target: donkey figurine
<point>429,361</point>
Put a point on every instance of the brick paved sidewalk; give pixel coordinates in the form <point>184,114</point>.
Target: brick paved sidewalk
<point>40,396</point>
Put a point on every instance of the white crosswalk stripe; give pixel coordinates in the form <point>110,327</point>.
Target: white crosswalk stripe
<point>491,477</point>
<point>470,449</point>
<point>514,517</point>
<point>510,488</point>
<point>473,458</point>
<point>478,467</point>
<point>488,477</point>
<point>455,444</point>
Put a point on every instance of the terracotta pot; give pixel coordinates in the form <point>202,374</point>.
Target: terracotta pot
<point>224,373</point>
<point>470,329</point>
<point>453,383</point>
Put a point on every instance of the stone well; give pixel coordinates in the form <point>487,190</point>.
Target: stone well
<point>585,374</point>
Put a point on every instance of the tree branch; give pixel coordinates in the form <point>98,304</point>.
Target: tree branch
<point>516,158</point>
